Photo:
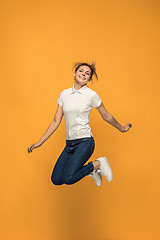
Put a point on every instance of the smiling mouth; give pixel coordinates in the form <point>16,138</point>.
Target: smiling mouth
<point>82,77</point>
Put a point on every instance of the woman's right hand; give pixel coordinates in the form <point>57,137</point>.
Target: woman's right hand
<point>35,145</point>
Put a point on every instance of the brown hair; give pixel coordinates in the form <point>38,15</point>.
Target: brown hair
<point>91,66</point>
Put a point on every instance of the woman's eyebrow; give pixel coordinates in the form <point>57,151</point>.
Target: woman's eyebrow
<point>83,69</point>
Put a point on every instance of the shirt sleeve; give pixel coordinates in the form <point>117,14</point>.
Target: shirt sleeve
<point>96,100</point>
<point>60,99</point>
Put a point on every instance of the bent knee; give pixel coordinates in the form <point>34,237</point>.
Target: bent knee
<point>56,181</point>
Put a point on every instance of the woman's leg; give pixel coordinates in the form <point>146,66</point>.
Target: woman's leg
<point>58,170</point>
<point>74,169</point>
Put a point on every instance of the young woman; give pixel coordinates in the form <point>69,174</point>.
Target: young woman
<point>75,104</point>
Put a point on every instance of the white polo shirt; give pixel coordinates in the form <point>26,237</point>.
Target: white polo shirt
<point>77,105</point>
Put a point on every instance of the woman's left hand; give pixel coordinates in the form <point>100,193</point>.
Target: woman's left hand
<point>126,127</point>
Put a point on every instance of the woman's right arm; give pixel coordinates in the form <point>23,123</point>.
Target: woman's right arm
<point>51,129</point>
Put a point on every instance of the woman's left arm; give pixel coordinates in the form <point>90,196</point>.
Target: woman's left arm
<point>111,120</point>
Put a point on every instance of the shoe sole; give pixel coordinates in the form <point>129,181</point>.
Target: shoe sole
<point>101,180</point>
<point>110,178</point>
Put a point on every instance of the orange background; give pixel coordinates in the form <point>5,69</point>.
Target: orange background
<point>40,41</point>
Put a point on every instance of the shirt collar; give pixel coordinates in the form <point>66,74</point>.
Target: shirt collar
<point>79,90</point>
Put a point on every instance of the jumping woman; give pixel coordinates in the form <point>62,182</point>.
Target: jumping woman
<point>75,104</point>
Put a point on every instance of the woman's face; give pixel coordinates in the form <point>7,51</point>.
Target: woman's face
<point>82,75</point>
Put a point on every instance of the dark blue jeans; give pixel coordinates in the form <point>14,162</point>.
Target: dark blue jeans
<point>70,167</point>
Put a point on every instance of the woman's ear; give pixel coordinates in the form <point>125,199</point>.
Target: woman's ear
<point>74,74</point>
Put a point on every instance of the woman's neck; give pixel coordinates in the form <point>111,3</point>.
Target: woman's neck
<point>77,86</point>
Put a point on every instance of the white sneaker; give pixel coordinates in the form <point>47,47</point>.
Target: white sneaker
<point>105,168</point>
<point>96,177</point>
